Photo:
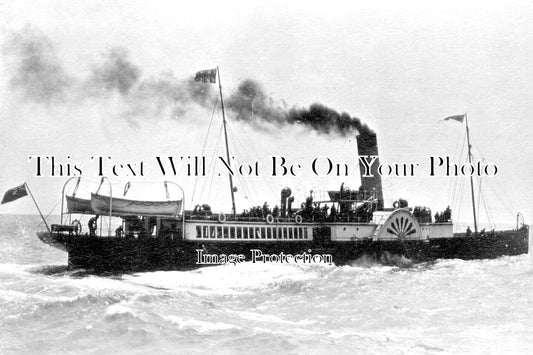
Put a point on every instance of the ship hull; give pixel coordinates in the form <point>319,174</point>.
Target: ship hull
<point>120,254</point>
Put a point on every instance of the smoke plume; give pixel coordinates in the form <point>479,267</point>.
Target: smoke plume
<point>39,75</point>
<point>117,72</point>
<point>159,94</point>
<point>326,120</point>
<point>251,104</point>
<point>36,71</point>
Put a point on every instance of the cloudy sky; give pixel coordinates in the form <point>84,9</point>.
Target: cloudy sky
<point>113,78</point>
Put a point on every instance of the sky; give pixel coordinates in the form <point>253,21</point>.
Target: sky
<point>82,79</point>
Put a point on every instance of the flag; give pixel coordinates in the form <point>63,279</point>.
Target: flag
<point>15,193</point>
<point>206,76</point>
<point>459,118</point>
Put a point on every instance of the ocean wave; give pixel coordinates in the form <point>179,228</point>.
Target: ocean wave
<point>270,318</point>
<point>386,259</point>
<point>13,268</point>
<point>119,309</point>
<point>240,279</point>
<point>200,326</point>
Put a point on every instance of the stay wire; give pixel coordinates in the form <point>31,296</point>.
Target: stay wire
<point>510,208</point>
<point>241,180</point>
<point>204,146</point>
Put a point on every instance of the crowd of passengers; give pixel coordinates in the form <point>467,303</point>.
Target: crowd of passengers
<point>309,211</point>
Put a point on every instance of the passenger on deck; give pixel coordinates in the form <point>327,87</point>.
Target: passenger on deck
<point>308,207</point>
<point>92,226</point>
<point>316,210</point>
<point>468,231</point>
<point>333,213</point>
<point>324,212</point>
<point>447,214</point>
<point>266,209</point>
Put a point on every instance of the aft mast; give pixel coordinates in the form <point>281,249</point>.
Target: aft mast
<point>233,210</point>
<point>471,178</point>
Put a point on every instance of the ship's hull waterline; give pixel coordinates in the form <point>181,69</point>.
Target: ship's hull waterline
<point>123,254</point>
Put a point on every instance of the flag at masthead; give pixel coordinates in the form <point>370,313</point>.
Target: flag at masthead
<point>206,76</point>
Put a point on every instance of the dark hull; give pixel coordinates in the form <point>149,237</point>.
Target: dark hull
<point>118,254</point>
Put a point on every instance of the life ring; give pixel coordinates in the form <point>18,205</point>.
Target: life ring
<point>298,219</point>
<point>396,204</point>
<point>270,218</point>
<point>221,217</point>
<point>77,226</point>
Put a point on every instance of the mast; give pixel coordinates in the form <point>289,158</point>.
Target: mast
<point>233,210</point>
<point>471,178</point>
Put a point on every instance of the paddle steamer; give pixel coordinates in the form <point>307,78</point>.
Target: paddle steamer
<point>164,235</point>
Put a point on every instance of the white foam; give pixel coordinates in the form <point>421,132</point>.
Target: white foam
<point>198,325</point>
<point>270,318</point>
<point>119,309</point>
<point>225,279</point>
<point>15,268</point>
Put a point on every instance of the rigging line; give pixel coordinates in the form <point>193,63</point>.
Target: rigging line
<point>210,168</point>
<point>235,146</point>
<point>480,181</point>
<point>212,165</point>
<point>509,210</point>
<point>266,181</point>
<point>204,145</point>
<point>458,192</point>
<point>490,218</point>
<point>239,146</point>
<point>454,205</point>
<point>251,145</point>
<point>458,204</point>
<point>501,189</point>
<point>477,145</point>
<point>235,142</point>
<point>49,213</point>
<point>488,213</point>
<point>454,190</point>
<point>451,184</point>
<point>513,208</point>
<point>210,185</point>
<point>241,179</point>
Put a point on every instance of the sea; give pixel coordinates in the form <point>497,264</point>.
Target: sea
<point>444,307</point>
